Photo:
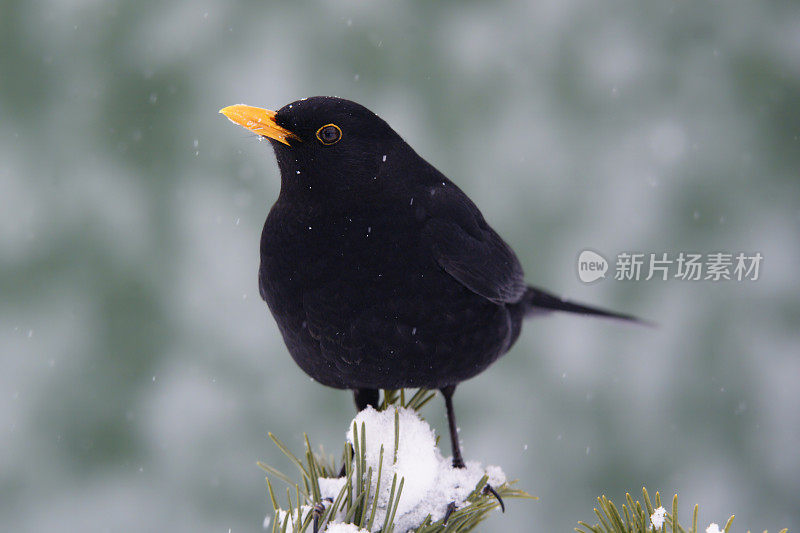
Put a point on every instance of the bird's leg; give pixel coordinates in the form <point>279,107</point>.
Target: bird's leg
<point>447,392</point>
<point>365,397</point>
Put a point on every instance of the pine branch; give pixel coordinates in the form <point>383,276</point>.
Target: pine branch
<point>637,519</point>
<point>322,500</point>
<point>367,498</point>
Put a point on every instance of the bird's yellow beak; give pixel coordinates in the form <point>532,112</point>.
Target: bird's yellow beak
<point>257,120</point>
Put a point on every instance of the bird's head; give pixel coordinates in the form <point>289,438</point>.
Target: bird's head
<point>322,143</point>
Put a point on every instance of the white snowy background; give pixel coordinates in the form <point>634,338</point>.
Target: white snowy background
<point>140,372</point>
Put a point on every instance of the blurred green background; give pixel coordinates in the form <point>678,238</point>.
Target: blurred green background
<point>141,372</point>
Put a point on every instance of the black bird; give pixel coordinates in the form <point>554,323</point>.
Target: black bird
<point>380,272</point>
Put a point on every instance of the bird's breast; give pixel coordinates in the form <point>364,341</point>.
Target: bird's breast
<point>373,251</point>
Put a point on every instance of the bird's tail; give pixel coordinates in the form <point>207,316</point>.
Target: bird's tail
<point>536,301</point>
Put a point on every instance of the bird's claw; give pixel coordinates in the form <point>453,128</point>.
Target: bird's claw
<point>488,489</point>
<point>451,507</point>
<point>318,511</point>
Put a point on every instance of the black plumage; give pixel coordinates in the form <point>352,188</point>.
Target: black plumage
<point>380,272</point>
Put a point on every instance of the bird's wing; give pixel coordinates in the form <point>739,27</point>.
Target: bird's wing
<point>472,252</point>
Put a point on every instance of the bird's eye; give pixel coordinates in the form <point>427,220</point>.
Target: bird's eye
<point>329,134</point>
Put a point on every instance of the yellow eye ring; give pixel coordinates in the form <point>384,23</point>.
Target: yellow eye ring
<point>329,134</point>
